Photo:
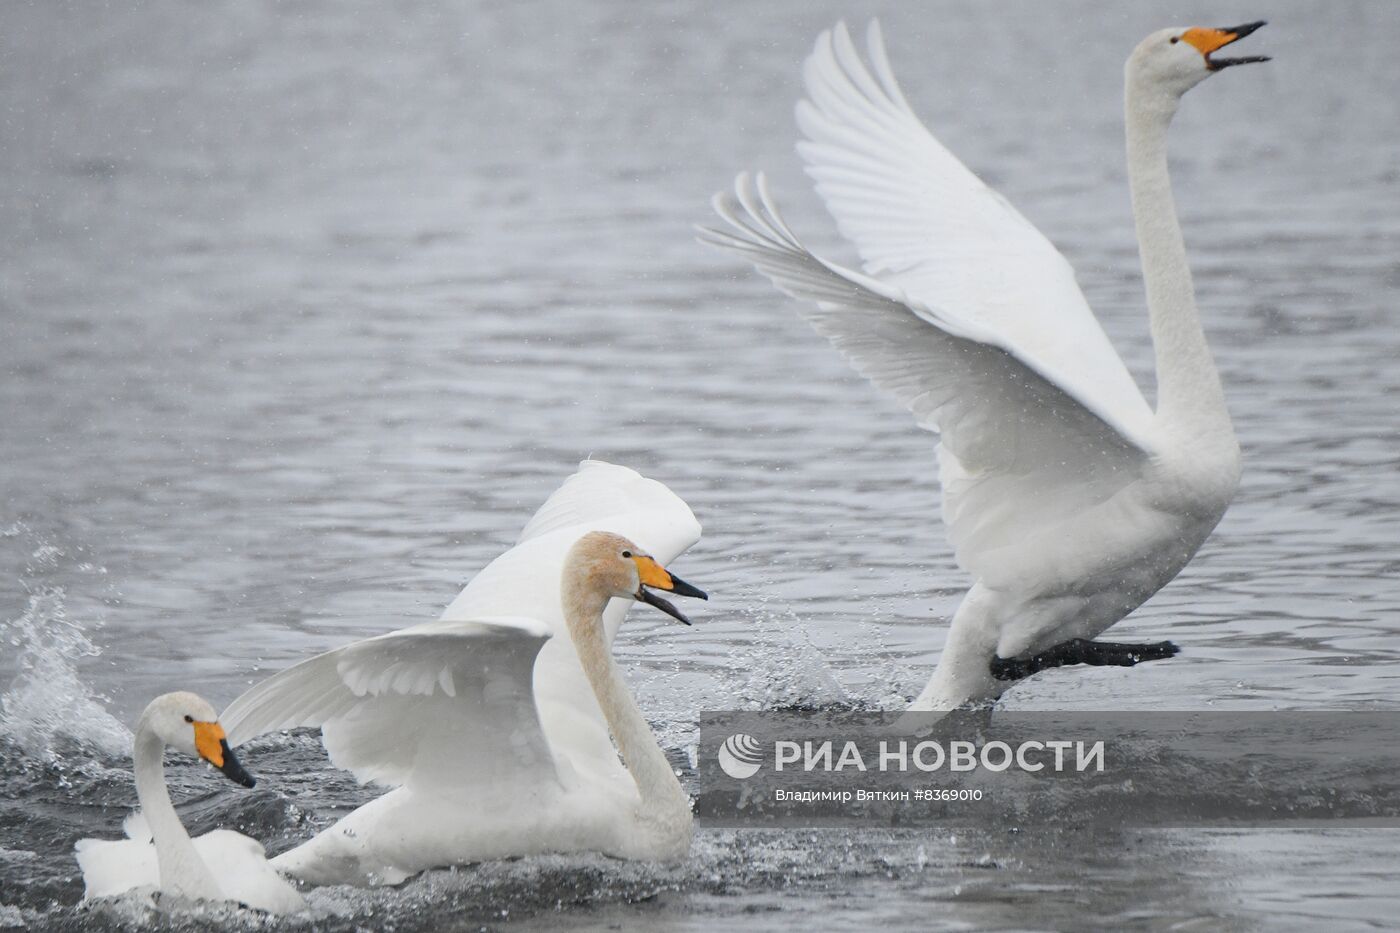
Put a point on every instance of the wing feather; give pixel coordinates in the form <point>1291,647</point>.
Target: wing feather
<point>447,704</point>
<point>435,700</point>
<point>1021,450</point>
<point>924,223</point>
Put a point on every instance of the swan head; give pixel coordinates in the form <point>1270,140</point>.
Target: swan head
<point>612,566</point>
<point>187,723</point>
<point>1177,59</point>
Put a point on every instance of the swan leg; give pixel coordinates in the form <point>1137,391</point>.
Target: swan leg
<point>1081,651</point>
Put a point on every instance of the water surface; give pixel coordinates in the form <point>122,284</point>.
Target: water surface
<point>305,307</point>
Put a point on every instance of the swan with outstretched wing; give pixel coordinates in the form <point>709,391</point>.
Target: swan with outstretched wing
<point>492,725</point>
<point>1065,495</point>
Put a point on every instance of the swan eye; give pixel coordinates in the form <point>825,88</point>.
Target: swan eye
<point>189,718</point>
<point>1176,39</point>
<point>626,553</point>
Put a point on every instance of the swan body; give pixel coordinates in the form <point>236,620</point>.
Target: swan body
<point>495,725</point>
<point>1067,497</point>
<point>158,854</point>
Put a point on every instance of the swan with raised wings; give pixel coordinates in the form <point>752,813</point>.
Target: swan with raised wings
<point>1068,499</point>
<point>159,854</point>
<point>492,724</point>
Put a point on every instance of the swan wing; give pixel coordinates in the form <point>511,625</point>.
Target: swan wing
<point>240,865</point>
<point>1020,450</point>
<point>113,866</point>
<point>343,691</point>
<point>445,704</point>
<point>599,497</point>
<point>925,224</point>
<point>602,491</point>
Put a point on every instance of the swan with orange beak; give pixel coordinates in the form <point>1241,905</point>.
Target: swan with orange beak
<point>505,728</point>
<point>1069,499</point>
<point>159,855</point>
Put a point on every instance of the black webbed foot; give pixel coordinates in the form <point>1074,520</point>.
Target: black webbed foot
<point>1081,651</point>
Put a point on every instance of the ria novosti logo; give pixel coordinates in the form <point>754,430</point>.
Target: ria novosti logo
<point>740,756</point>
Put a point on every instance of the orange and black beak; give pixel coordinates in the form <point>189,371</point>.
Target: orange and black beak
<point>1211,40</point>
<point>654,575</point>
<point>212,746</point>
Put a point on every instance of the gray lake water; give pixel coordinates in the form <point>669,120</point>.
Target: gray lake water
<point>305,307</point>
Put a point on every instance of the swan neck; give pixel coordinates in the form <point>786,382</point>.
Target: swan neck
<point>656,781</point>
<point>1188,385</point>
<point>182,872</point>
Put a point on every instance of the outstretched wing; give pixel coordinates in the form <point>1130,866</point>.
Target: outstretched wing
<point>1020,450</point>
<point>925,224</point>
<point>464,698</point>
<point>599,497</point>
<point>441,704</point>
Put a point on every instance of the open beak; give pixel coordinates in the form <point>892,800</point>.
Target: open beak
<point>653,575</point>
<point>212,746</point>
<point>232,769</point>
<point>1211,40</point>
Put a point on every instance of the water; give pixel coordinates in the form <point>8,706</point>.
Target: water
<point>306,307</point>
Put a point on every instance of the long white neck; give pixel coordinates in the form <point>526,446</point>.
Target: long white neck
<point>661,793</point>
<point>1189,394</point>
<point>182,871</point>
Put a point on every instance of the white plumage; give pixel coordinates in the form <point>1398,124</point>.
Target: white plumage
<point>113,867</point>
<point>485,722</point>
<point>1065,495</point>
<point>158,855</point>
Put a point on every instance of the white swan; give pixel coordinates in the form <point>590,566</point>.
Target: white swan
<point>493,734</point>
<point>1066,497</point>
<point>221,865</point>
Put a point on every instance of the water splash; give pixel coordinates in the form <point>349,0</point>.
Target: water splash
<point>780,666</point>
<point>47,706</point>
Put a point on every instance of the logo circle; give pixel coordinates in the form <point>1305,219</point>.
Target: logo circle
<point>740,756</point>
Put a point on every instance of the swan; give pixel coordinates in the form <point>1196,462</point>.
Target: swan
<point>1065,496</point>
<point>221,865</point>
<point>493,734</point>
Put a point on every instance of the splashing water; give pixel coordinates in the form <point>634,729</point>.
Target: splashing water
<point>47,704</point>
<point>782,667</point>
